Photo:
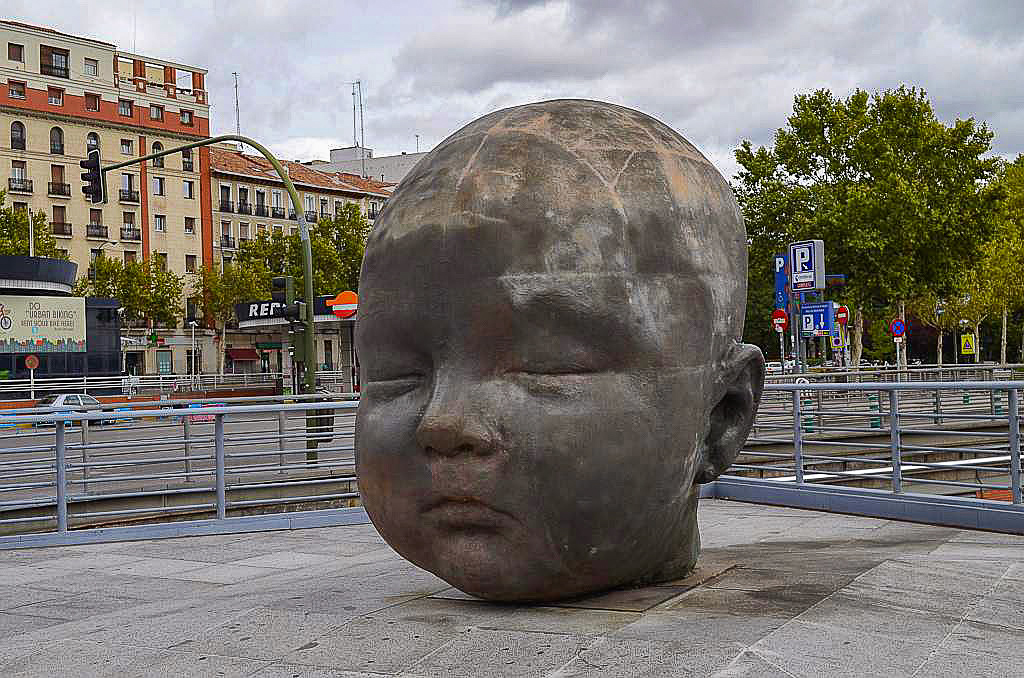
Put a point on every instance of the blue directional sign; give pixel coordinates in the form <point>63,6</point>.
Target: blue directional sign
<point>807,265</point>
<point>817,319</point>
<point>780,264</point>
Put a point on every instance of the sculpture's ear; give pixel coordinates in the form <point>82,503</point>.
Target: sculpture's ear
<point>733,415</point>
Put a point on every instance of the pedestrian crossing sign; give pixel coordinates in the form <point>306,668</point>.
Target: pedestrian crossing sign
<point>837,341</point>
<point>967,344</point>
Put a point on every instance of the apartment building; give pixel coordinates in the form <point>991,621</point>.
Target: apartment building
<point>63,95</point>
<point>250,198</point>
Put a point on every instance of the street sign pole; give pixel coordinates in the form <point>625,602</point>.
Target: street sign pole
<point>782,349</point>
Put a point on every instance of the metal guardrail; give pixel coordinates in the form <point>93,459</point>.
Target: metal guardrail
<point>122,462</point>
<point>942,437</point>
<point>966,372</point>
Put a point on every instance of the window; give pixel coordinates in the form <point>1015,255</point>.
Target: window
<point>186,160</point>
<point>57,141</point>
<point>53,61</point>
<point>156,112</point>
<point>161,261</point>
<point>160,223</point>
<point>337,207</point>
<point>163,362</point>
<point>16,52</point>
<point>226,263</point>
<point>124,107</point>
<point>16,89</point>
<point>92,67</point>
<point>92,142</point>
<point>126,146</point>
<point>62,254</point>
<point>188,189</point>
<point>225,228</point>
<point>277,198</point>
<point>95,254</point>
<point>95,217</point>
<point>323,206</point>
<point>190,263</point>
<point>261,229</point>
<point>60,214</point>
<point>243,231</point>
<point>129,257</point>
<point>190,225</point>
<point>92,102</point>
<point>158,148</point>
<point>128,219</point>
<point>127,181</point>
<point>55,96</point>
<point>18,170</point>
<point>186,117</point>
<point>21,207</point>
<point>310,203</point>
<point>158,186</point>
<point>17,135</point>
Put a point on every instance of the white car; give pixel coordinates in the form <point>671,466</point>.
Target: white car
<point>74,402</point>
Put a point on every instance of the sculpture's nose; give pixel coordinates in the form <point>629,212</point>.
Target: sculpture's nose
<point>452,424</point>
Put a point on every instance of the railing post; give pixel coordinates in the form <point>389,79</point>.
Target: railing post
<point>938,407</point>
<point>85,455</point>
<point>894,440</point>
<point>282,428</point>
<point>186,421</point>
<point>1014,407</point>
<point>798,438</point>
<point>218,437</point>
<point>62,477</point>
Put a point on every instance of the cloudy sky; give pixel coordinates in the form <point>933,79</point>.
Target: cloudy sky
<point>718,72</point>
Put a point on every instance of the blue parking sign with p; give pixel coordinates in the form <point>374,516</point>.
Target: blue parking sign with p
<point>780,265</point>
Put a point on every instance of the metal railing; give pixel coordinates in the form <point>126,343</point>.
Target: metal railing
<point>941,437</point>
<point>277,212</point>
<point>961,372</point>
<point>95,231</point>
<point>53,69</point>
<point>260,210</point>
<point>64,468</point>
<point>19,185</point>
<point>127,195</point>
<point>244,207</point>
<point>227,242</point>
<point>227,206</point>
<point>58,188</point>
<point>150,384</point>
<point>60,228</point>
<point>131,233</point>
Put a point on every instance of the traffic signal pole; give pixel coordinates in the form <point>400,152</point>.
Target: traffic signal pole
<point>309,380</point>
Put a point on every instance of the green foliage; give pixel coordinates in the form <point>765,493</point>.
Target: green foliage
<point>14,232</point>
<point>146,292</point>
<point>337,245</point>
<point>218,290</point>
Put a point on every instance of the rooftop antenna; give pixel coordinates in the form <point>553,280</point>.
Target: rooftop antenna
<point>417,143</point>
<point>355,139</point>
<point>362,130</point>
<point>238,128</point>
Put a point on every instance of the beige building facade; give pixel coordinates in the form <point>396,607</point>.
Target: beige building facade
<point>63,95</point>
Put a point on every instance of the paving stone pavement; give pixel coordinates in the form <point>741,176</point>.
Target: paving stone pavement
<point>778,592</point>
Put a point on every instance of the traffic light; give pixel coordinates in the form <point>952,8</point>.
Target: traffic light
<point>283,289</point>
<point>295,312</point>
<point>95,188</point>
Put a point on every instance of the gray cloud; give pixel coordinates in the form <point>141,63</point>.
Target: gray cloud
<point>718,72</point>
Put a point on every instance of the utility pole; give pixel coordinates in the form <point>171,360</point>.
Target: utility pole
<point>238,127</point>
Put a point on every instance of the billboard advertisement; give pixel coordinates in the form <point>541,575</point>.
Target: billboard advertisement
<point>42,324</point>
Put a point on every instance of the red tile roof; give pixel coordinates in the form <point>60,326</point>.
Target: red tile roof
<point>235,162</point>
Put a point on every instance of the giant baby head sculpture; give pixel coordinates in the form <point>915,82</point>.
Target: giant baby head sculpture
<point>549,321</point>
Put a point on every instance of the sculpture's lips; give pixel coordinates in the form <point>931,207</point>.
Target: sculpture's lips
<point>466,512</point>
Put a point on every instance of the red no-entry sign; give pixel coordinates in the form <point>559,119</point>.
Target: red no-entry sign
<point>780,320</point>
<point>31,362</point>
<point>842,315</point>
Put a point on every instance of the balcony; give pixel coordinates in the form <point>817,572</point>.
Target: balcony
<point>60,228</point>
<point>19,185</point>
<point>277,212</point>
<point>187,166</point>
<point>57,188</point>
<point>227,242</point>
<point>261,210</point>
<point>292,215</point>
<point>130,233</point>
<point>50,69</point>
<point>244,208</point>
<point>128,195</point>
<point>96,231</point>
<point>310,217</point>
<point>325,214</point>
<point>227,206</point>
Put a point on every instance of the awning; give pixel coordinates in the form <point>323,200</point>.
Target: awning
<point>243,354</point>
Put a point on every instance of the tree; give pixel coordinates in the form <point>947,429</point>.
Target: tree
<point>147,292</point>
<point>337,245</point>
<point>14,232</point>
<point>900,199</point>
<point>219,289</point>
<point>928,308</point>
